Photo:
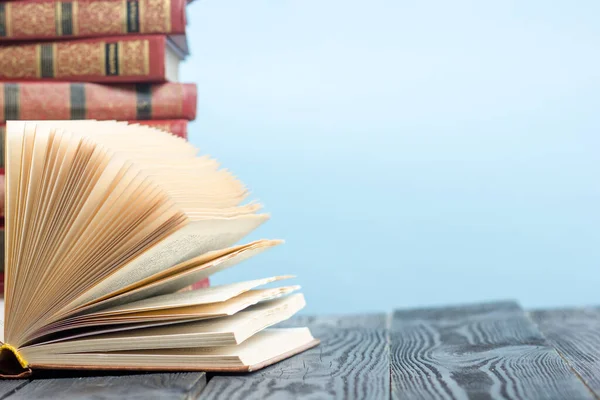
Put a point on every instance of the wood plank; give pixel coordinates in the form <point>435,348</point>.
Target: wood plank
<point>575,333</point>
<point>352,362</point>
<point>8,387</point>
<point>487,351</point>
<point>132,387</point>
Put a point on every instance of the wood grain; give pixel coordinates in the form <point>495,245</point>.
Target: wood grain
<point>131,387</point>
<point>8,387</point>
<point>484,351</point>
<point>575,333</point>
<point>352,362</point>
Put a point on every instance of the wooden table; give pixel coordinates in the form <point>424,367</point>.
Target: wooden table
<point>481,351</point>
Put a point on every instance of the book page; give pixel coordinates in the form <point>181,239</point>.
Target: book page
<point>188,313</point>
<point>107,221</point>
<point>214,294</point>
<point>196,238</point>
<point>208,310</point>
<point>262,349</point>
<point>186,277</point>
<point>213,332</point>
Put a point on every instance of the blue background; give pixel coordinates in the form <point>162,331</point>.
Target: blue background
<point>410,152</point>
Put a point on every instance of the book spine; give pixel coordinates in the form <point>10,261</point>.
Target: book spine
<point>121,59</point>
<point>63,100</point>
<point>51,19</point>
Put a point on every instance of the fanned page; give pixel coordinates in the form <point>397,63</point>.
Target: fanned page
<point>107,224</point>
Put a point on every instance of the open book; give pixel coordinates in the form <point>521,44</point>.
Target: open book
<point>106,225</point>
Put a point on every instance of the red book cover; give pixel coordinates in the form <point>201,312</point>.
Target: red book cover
<point>115,59</point>
<point>53,19</point>
<point>204,283</point>
<point>125,102</point>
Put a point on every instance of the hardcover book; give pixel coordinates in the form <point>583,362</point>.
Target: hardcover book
<point>64,100</point>
<point>112,227</point>
<point>89,18</point>
<point>146,58</point>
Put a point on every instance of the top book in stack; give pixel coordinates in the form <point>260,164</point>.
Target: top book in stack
<point>51,19</point>
<point>108,41</point>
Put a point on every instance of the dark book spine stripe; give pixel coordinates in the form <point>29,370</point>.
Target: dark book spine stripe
<point>2,20</point>
<point>133,16</point>
<point>77,101</point>
<point>143,101</point>
<point>111,58</point>
<point>11,101</point>
<point>66,19</point>
<point>47,60</point>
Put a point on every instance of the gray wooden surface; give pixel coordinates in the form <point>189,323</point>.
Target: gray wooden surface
<point>132,387</point>
<point>352,362</point>
<point>575,333</point>
<point>8,387</point>
<point>481,351</point>
<point>484,351</point>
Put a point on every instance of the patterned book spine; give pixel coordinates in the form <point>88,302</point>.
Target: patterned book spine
<point>120,59</point>
<point>48,19</point>
<point>63,100</point>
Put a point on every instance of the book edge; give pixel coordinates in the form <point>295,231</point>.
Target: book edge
<point>246,368</point>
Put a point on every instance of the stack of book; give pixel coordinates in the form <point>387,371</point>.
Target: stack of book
<point>89,59</point>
